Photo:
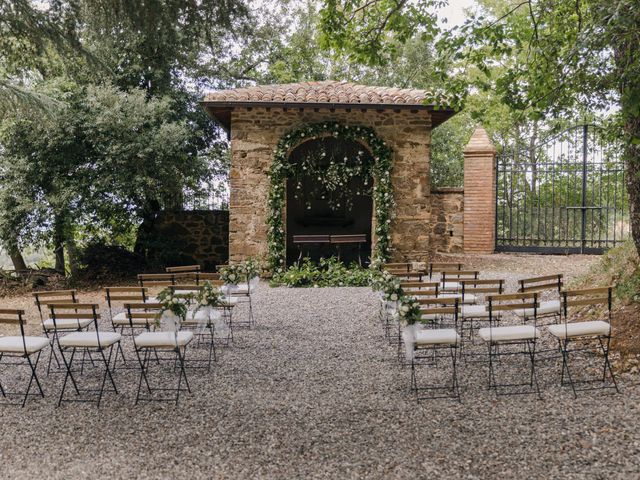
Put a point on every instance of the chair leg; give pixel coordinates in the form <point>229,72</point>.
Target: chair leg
<point>533,381</point>
<point>68,375</point>
<point>607,363</point>
<point>565,366</point>
<point>143,372</point>
<point>454,364</point>
<point>34,376</point>
<point>181,374</point>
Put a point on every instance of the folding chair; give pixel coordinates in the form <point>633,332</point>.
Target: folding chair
<point>450,279</point>
<point>548,308</point>
<point>497,337</point>
<point>439,334</point>
<point>148,343</point>
<point>43,300</point>
<point>440,266</point>
<point>409,287</point>
<point>21,347</point>
<point>584,332</point>
<point>202,324</point>
<point>473,310</point>
<point>156,281</point>
<point>88,342</point>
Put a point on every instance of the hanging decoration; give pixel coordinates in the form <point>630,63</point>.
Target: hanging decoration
<point>331,179</point>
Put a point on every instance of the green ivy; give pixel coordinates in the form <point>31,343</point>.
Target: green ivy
<point>328,272</point>
<point>281,169</point>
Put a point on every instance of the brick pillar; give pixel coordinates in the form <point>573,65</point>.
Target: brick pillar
<point>479,194</point>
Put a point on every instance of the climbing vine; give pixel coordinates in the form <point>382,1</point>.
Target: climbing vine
<point>380,171</point>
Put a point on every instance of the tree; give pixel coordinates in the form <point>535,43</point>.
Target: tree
<point>568,54</point>
<point>104,160</point>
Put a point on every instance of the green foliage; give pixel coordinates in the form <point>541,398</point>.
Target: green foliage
<point>209,296</point>
<point>619,267</point>
<point>329,272</point>
<point>281,169</point>
<point>108,157</point>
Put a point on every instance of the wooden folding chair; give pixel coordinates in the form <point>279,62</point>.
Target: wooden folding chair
<point>147,344</point>
<point>435,267</point>
<point>583,332</point>
<point>89,342</point>
<point>548,308</point>
<point>43,300</point>
<point>498,337</point>
<point>440,333</point>
<point>23,347</point>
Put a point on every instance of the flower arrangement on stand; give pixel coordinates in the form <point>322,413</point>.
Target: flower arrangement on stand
<point>209,300</point>
<point>380,170</point>
<point>253,269</point>
<point>174,309</point>
<point>233,274</point>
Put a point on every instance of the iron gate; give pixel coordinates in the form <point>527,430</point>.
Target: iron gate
<point>565,195</point>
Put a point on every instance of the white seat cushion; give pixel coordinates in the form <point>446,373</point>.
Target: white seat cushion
<point>15,344</point>
<point>468,298</point>
<point>504,334</point>
<point>89,339</point>
<point>163,339</point>
<point>580,329</point>
<point>549,307</point>
<point>66,324</point>
<point>475,311</point>
<point>441,336</point>
<point>450,286</point>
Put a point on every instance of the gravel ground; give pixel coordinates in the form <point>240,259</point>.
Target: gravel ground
<point>315,391</point>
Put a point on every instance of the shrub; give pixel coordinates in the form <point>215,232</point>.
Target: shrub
<point>100,262</point>
<point>329,272</point>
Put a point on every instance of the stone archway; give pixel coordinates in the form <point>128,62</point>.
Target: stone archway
<point>345,207</point>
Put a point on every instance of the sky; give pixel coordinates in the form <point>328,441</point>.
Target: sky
<point>454,12</point>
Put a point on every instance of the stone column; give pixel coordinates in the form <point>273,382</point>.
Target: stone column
<point>479,194</point>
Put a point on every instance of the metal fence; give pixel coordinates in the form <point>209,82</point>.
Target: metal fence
<point>565,195</point>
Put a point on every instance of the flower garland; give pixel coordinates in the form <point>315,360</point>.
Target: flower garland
<point>281,169</point>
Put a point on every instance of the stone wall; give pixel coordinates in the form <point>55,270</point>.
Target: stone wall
<point>447,220</point>
<point>255,133</point>
<point>199,236</point>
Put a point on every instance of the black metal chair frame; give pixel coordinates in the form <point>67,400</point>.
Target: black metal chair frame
<point>12,317</point>
<point>514,302</point>
<point>443,307</point>
<point>52,337</point>
<point>144,356</point>
<point>94,315</point>
<point>488,286</point>
<point>122,294</point>
<point>604,341</point>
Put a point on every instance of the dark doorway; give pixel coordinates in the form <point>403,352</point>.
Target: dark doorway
<point>318,203</point>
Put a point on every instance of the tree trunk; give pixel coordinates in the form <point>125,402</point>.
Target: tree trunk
<point>72,254</point>
<point>19,265</point>
<point>58,244</point>
<point>632,157</point>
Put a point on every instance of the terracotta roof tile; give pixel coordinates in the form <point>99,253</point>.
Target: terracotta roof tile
<point>320,92</point>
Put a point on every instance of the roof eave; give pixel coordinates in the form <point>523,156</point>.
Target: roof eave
<point>213,107</point>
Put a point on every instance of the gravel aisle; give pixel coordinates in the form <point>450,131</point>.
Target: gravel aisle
<point>315,392</point>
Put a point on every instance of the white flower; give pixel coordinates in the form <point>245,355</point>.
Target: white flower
<point>404,308</point>
<point>394,297</point>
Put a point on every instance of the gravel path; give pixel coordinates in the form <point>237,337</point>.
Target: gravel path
<point>314,391</point>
